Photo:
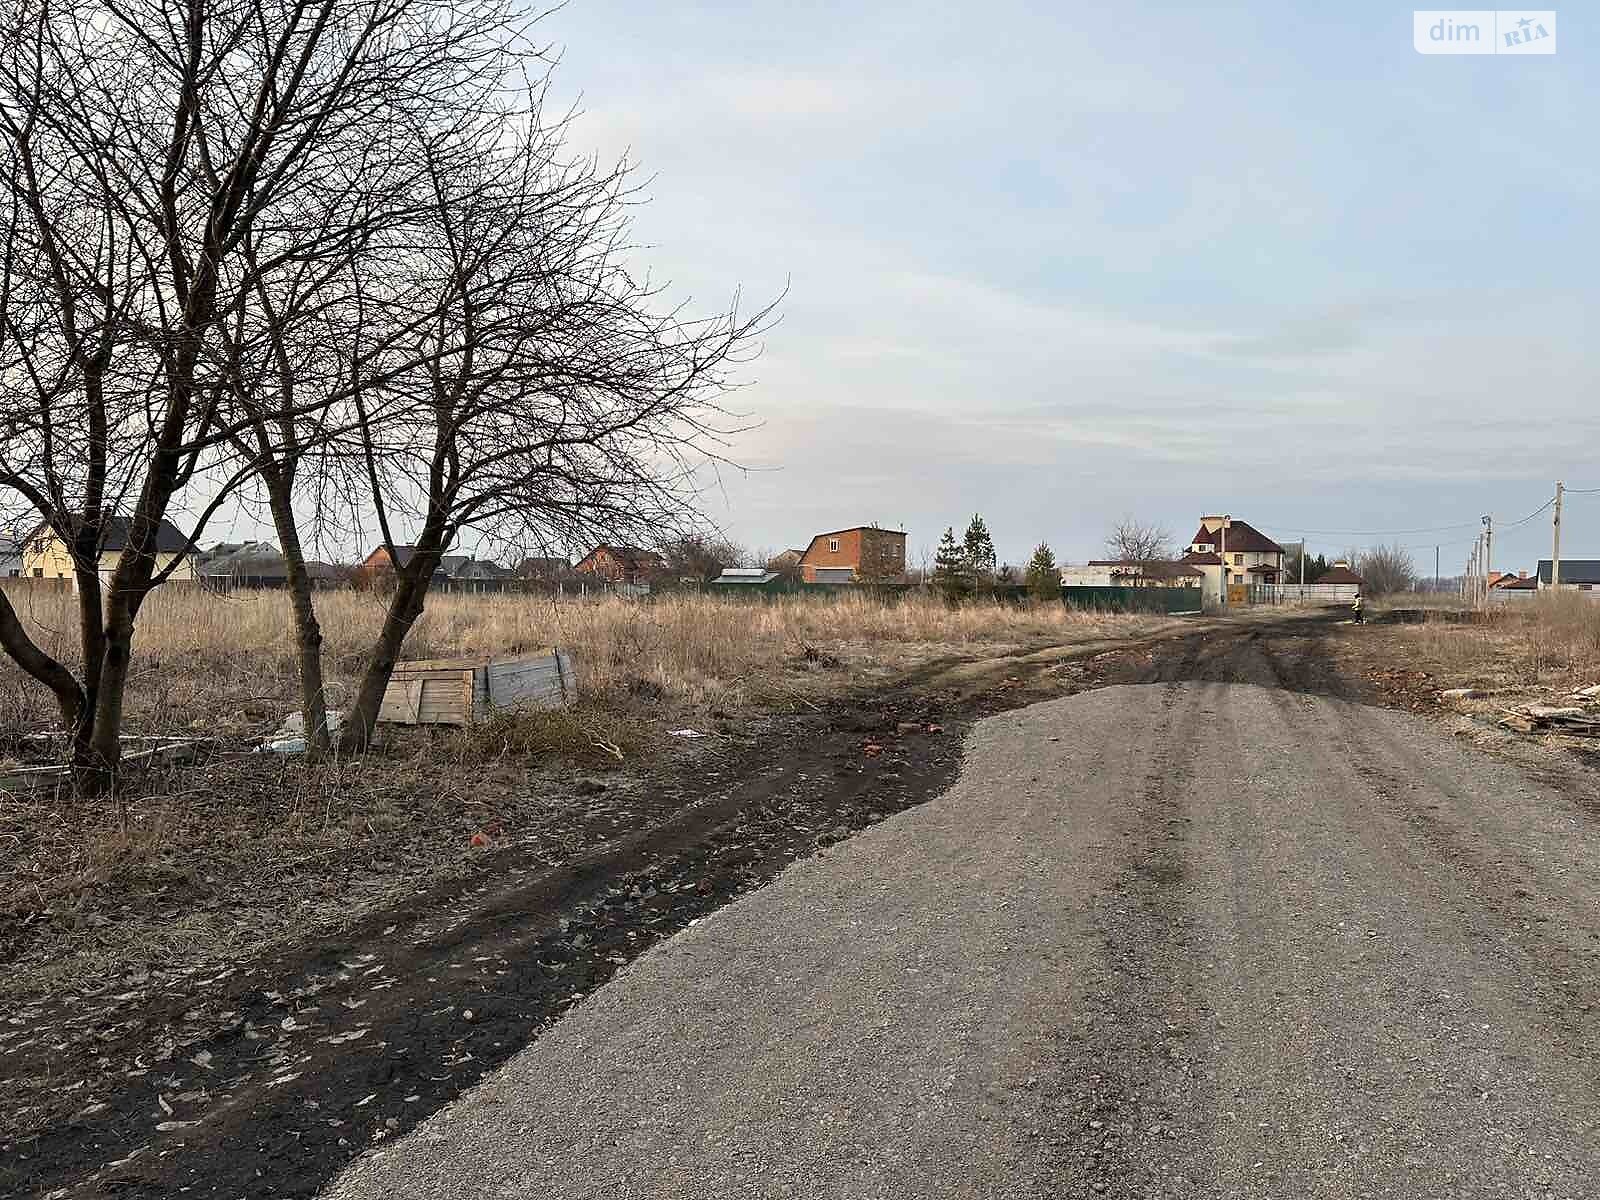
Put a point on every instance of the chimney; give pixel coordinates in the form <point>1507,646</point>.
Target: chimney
<point>1522,574</point>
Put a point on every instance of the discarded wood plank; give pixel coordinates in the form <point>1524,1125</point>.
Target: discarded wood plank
<point>463,691</point>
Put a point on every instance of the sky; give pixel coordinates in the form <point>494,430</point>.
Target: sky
<point>1061,264</point>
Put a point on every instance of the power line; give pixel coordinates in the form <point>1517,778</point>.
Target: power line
<point>1545,507</point>
<point>1388,532</point>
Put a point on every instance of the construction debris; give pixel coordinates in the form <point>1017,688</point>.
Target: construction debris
<point>1545,718</point>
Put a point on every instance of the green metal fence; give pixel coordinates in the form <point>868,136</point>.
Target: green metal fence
<point>1133,599</point>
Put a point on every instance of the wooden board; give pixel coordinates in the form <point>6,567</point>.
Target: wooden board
<point>544,682</point>
<point>459,691</point>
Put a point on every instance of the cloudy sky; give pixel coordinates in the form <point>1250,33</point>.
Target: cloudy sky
<point>1058,263</point>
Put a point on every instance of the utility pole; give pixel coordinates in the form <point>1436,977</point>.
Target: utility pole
<point>1223,599</point>
<point>1436,570</point>
<point>1555,539</point>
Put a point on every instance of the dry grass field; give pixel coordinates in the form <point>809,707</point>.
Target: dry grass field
<point>207,659</point>
<point>1551,644</point>
<point>240,849</point>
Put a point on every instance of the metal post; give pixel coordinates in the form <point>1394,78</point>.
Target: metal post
<point>1555,539</point>
<point>1224,557</point>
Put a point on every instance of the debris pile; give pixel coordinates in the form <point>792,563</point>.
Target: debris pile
<point>1572,719</point>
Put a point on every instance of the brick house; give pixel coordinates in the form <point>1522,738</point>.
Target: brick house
<point>864,554</point>
<point>622,564</point>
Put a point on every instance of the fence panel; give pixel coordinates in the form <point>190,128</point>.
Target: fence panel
<point>1172,601</point>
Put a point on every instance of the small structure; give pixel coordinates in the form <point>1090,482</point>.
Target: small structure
<point>748,579</point>
<point>1339,584</point>
<point>463,691</point>
<point>862,554</point>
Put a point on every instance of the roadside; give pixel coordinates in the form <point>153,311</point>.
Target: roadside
<point>260,1072</point>
<point>1185,939</point>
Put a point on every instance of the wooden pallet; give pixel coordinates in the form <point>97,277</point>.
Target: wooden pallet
<point>463,691</point>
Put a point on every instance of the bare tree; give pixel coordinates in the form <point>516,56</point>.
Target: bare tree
<point>557,401</point>
<point>1135,541</point>
<point>1386,570</point>
<point>700,556</point>
<point>156,157</point>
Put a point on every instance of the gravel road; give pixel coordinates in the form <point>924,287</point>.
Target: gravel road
<point>1186,939</point>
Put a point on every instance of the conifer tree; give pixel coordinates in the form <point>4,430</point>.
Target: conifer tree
<point>979,550</point>
<point>951,570</point>
<point>1044,577</point>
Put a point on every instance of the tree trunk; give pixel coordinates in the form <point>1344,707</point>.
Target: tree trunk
<point>405,606</point>
<point>307,630</point>
<point>94,766</point>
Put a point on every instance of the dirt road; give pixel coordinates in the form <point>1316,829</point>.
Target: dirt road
<point>1220,933</point>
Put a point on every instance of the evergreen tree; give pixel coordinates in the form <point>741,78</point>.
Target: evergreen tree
<point>979,549</point>
<point>951,572</point>
<point>1044,577</point>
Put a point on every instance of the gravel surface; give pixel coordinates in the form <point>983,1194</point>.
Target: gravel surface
<point>1181,939</point>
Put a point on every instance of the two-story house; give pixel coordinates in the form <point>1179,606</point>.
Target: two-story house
<point>1233,553</point>
<point>863,554</point>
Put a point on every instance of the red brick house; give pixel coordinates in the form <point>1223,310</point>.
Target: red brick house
<point>622,564</point>
<point>864,554</point>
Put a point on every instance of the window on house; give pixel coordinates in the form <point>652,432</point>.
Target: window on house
<point>38,572</point>
<point>833,545</point>
<point>1238,560</point>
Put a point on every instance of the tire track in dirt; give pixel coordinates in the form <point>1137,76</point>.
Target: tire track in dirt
<point>1130,1088</point>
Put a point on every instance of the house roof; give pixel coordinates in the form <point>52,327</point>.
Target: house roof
<point>1339,575</point>
<point>632,556</point>
<point>1243,538</point>
<point>1203,560</point>
<point>1524,583</point>
<point>530,566</point>
<point>853,529</point>
<point>114,535</point>
<point>1573,570</point>
<point>746,577</point>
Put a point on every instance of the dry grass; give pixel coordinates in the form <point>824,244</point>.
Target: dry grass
<point>229,661</point>
<point>1552,643</point>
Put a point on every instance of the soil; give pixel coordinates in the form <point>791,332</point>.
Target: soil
<point>265,1076</point>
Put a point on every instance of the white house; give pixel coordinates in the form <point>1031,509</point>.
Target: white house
<point>1230,552</point>
<point>10,555</point>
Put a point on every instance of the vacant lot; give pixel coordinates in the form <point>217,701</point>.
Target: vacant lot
<point>240,848</point>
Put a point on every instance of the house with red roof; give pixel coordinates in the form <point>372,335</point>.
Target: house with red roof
<point>1233,553</point>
